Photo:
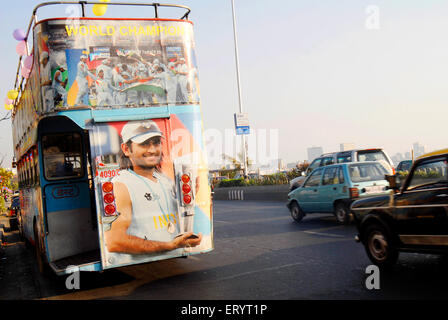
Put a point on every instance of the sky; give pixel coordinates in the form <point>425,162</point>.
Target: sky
<point>313,73</point>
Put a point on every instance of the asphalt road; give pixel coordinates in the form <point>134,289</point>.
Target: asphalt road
<point>260,254</point>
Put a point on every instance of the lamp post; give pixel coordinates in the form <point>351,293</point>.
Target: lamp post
<point>239,86</point>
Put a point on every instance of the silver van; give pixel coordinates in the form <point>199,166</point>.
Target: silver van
<point>356,155</point>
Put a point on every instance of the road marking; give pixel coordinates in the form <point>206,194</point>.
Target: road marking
<point>325,234</point>
<point>257,271</point>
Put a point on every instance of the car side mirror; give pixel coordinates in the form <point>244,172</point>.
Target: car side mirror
<point>392,179</point>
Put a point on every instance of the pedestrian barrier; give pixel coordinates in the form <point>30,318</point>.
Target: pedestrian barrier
<point>253,193</point>
<point>236,194</point>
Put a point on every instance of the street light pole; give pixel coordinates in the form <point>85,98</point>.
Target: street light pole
<point>239,85</point>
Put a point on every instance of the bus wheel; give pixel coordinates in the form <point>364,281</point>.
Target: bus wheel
<point>41,264</point>
<point>296,213</point>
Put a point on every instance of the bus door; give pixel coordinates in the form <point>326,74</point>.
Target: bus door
<point>69,219</point>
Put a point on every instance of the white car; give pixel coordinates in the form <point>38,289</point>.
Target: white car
<point>357,155</point>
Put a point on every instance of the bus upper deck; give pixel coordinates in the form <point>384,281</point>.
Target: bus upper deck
<point>97,88</point>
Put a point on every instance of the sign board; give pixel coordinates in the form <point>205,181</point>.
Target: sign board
<point>242,123</point>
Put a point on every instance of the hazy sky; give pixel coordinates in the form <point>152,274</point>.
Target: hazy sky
<point>372,73</point>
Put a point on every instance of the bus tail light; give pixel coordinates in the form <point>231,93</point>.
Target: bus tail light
<point>354,192</point>
<point>186,189</point>
<point>109,210</point>
<point>187,199</point>
<point>108,199</point>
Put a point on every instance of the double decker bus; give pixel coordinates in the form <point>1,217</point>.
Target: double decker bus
<point>108,141</point>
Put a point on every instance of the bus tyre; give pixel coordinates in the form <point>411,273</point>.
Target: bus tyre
<point>296,213</point>
<point>41,263</point>
<point>379,247</point>
<point>342,213</point>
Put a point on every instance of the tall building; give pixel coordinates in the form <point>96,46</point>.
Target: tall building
<point>346,146</point>
<point>418,149</point>
<point>314,152</point>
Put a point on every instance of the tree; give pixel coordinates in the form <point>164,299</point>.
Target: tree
<point>7,186</point>
<point>237,163</point>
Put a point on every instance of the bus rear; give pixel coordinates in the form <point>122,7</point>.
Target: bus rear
<point>123,176</point>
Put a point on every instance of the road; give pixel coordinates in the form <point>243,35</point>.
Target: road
<point>260,254</point>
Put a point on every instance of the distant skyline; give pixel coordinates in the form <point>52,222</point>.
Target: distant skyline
<point>371,73</point>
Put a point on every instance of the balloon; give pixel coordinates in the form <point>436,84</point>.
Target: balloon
<point>25,72</point>
<point>9,106</point>
<point>8,101</point>
<point>21,48</point>
<point>19,34</point>
<point>99,9</point>
<point>28,63</point>
<point>13,94</point>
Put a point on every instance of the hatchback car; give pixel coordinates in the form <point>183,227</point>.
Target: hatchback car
<point>376,154</point>
<point>333,188</point>
<point>414,218</point>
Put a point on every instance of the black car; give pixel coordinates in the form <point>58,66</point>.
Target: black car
<point>412,218</point>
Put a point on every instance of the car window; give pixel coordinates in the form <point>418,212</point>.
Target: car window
<point>329,176</point>
<point>327,161</point>
<point>429,173</point>
<point>371,155</point>
<point>314,178</point>
<point>340,176</point>
<point>315,164</point>
<point>361,172</point>
<point>344,158</point>
<point>405,166</point>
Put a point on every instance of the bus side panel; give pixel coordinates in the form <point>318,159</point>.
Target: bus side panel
<point>31,211</point>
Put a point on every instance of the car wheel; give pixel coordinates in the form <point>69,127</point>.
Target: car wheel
<point>379,247</point>
<point>342,213</point>
<point>296,213</point>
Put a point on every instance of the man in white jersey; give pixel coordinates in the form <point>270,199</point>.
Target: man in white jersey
<point>81,79</point>
<point>148,221</point>
<point>45,82</point>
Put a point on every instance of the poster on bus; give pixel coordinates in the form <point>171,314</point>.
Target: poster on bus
<point>153,197</point>
<point>113,64</point>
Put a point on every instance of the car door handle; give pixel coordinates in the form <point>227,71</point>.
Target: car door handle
<point>315,190</point>
<point>334,188</point>
<point>442,195</point>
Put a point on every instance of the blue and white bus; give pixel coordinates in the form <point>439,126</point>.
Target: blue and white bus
<point>99,89</point>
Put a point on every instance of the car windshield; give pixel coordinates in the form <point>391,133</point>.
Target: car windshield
<point>361,172</point>
<point>431,174</point>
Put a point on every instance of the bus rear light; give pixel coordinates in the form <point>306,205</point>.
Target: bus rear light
<point>187,199</point>
<point>109,198</point>
<point>109,209</point>
<point>186,188</point>
<point>354,192</point>
<point>108,187</point>
<point>185,178</point>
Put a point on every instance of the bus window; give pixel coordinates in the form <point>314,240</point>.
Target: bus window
<point>62,155</point>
